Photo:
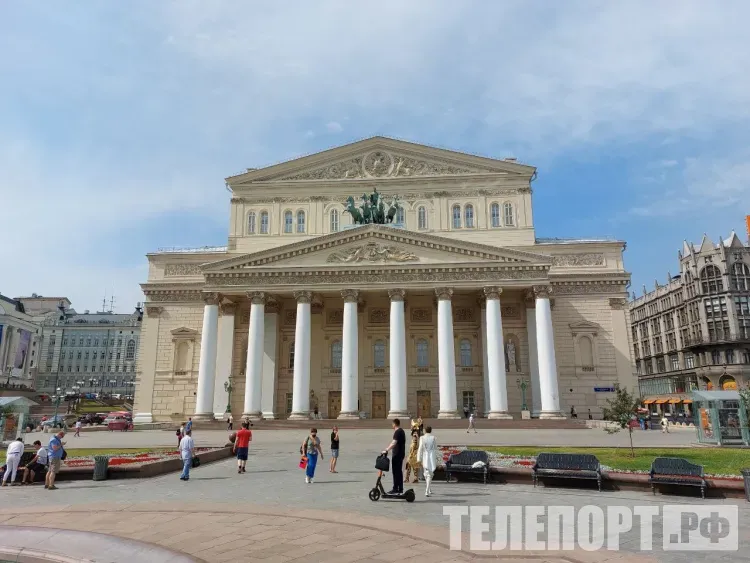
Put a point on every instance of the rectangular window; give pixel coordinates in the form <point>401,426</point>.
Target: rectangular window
<point>468,400</point>
<point>730,356</point>
<point>675,361</point>
<point>689,361</point>
<point>301,222</point>
<point>80,341</point>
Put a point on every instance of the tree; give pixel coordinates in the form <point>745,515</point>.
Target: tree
<point>620,410</point>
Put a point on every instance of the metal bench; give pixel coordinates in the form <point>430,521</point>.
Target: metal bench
<point>676,471</point>
<point>567,466</point>
<point>463,463</point>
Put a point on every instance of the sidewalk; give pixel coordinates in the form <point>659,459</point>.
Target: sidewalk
<point>213,532</point>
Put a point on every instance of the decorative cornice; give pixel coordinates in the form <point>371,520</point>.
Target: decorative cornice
<point>174,296</point>
<point>350,295</point>
<point>492,292</point>
<point>542,291</point>
<point>372,252</point>
<point>303,296</point>
<point>589,287</point>
<point>396,294</point>
<point>385,275</point>
<point>578,260</point>
<point>153,311</point>
<point>211,298</point>
<point>181,270</point>
<point>443,293</point>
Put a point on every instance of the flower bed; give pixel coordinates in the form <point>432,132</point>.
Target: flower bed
<point>142,458</point>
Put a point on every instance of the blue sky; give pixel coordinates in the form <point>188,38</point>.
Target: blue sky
<point>121,120</point>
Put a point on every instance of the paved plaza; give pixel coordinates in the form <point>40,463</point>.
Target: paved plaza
<point>270,514</point>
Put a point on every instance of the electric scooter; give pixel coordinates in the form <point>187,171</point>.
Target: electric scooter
<point>378,491</point>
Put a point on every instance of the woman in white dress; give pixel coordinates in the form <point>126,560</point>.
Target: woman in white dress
<point>427,455</point>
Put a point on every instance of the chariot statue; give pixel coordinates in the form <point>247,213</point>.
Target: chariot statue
<point>373,209</point>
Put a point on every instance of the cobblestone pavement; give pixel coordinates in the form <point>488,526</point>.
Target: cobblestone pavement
<point>220,499</point>
<point>375,438</point>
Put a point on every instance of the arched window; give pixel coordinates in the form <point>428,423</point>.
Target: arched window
<point>495,215</point>
<point>421,218</point>
<point>728,383</point>
<point>334,220</point>
<point>129,351</point>
<point>707,383</point>
<point>288,222</point>
<point>456,216</point>
<point>423,356</point>
<point>379,354</point>
<point>291,355</point>
<point>400,218</point>
<point>264,223</point>
<point>508,217</point>
<point>300,221</point>
<point>711,279</point>
<point>182,354</point>
<point>586,348</point>
<point>336,354</point>
<point>741,276</point>
<point>251,223</point>
<point>465,348</point>
<point>469,216</point>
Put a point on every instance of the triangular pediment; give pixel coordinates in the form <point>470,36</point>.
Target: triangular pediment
<point>382,158</point>
<point>371,245</point>
<point>184,332</point>
<point>584,327</point>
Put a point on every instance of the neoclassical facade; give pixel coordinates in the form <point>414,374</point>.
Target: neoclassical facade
<point>455,304</point>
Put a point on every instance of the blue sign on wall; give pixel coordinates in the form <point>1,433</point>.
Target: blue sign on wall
<point>604,389</point>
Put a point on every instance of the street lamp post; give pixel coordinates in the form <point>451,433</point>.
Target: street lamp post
<point>228,389</point>
<point>58,398</point>
<point>9,370</point>
<point>522,385</point>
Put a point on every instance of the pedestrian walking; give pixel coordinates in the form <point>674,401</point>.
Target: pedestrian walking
<point>412,463</point>
<point>55,453</point>
<point>472,423</point>
<point>12,460</point>
<point>311,448</point>
<point>230,422</point>
<point>466,412</point>
<point>242,446</point>
<point>189,426</point>
<point>334,448</point>
<point>398,446</point>
<point>38,464</point>
<point>664,424</point>
<point>427,457</point>
<point>78,429</point>
<point>187,449</point>
<point>573,413</point>
<point>180,433</point>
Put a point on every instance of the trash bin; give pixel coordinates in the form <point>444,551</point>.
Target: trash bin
<point>746,477</point>
<point>101,464</point>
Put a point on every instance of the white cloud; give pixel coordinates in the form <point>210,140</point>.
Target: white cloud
<point>334,127</point>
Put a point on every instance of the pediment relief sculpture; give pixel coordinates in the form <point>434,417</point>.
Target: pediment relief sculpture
<point>372,252</point>
<point>381,164</point>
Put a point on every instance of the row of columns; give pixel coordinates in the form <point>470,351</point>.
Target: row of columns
<point>545,394</point>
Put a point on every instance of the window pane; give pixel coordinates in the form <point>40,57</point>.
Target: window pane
<point>508,213</point>
<point>422,218</point>
<point>336,354</point>
<point>400,219</point>
<point>456,217</point>
<point>422,353</point>
<point>379,354</point>
<point>334,221</point>
<point>300,221</point>
<point>495,215</point>
<point>251,223</point>
<point>288,222</point>
<point>264,223</point>
<point>469,217</point>
<point>465,353</point>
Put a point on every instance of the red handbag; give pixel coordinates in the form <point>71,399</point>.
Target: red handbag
<point>303,462</point>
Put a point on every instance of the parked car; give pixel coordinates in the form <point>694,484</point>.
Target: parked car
<point>91,418</point>
<point>54,421</point>
<point>119,423</point>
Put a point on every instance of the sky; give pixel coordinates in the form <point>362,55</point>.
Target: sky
<point>120,120</point>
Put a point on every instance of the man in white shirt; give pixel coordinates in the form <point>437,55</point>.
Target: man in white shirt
<point>12,460</point>
<point>187,448</point>
<point>38,464</point>
<point>78,428</point>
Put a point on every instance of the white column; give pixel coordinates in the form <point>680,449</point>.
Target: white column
<point>485,363</point>
<point>144,388</point>
<point>496,355</point>
<point>301,384</point>
<point>536,397</point>
<point>254,365</point>
<point>204,401</point>
<point>398,387</point>
<point>224,353</point>
<point>268,393</point>
<point>446,355</point>
<point>545,341</point>
<point>350,357</point>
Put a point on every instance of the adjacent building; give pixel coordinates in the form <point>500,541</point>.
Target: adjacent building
<point>85,352</point>
<point>19,339</point>
<point>694,331</point>
<point>454,304</point>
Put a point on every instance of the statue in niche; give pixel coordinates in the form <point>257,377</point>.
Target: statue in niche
<point>510,356</point>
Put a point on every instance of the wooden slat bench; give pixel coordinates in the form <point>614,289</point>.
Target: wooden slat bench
<point>567,466</point>
<point>463,463</point>
<point>676,471</point>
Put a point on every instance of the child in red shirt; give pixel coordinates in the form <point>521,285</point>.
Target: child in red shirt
<point>241,445</point>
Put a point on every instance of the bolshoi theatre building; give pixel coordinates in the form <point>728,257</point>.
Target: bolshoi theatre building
<point>452,303</point>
